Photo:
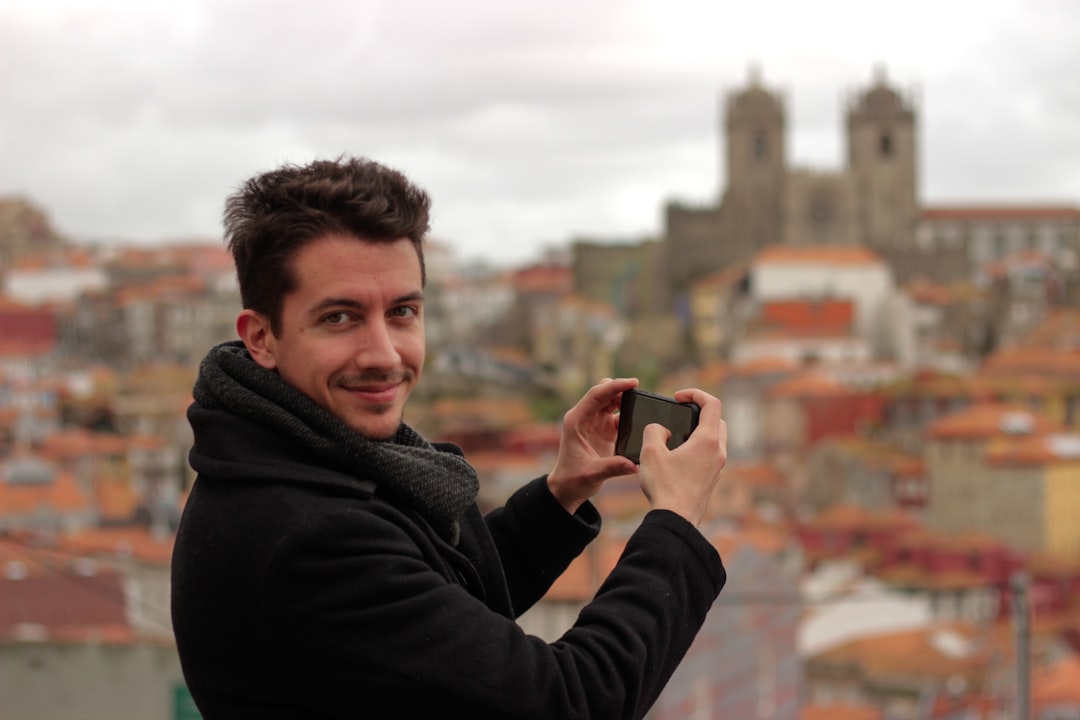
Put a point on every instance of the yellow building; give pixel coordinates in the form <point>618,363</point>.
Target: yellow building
<point>1003,470</point>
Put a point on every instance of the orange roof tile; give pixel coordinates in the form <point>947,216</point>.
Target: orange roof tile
<point>78,442</point>
<point>1058,683</point>
<point>763,366</point>
<point>709,377</point>
<point>1040,360</point>
<point>134,542</point>
<point>30,552</point>
<point>842,516</point>
<point>115,500</point>
<point>928,293</point>
<point>840,711</point>
<point>768,539</point>
<point>161,288</point>
<point>818,254</point>
<point>1001,212</point>
<point>983,421</point>
<point>584,575</point>
<point>818,313</point>
<point>727,277</point>
<point>1034,451</point>
<point>544,279</point>
<point>1059,330</point>
<point>754,474</point>
<point>936,653</point>
<point>62,494</point>
<point>808,385</point>
<point>971,706</point>
<point>9,304</point>
<point>98,634</point>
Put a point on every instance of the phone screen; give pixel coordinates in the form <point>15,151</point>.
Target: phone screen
<point>640,408</point>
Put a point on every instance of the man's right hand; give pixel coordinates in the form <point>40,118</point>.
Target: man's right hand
<point>682,480</point>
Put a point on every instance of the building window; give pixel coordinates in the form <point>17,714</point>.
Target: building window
<point>886,145</point>
<point>761,147</point>
<point>966,241</point>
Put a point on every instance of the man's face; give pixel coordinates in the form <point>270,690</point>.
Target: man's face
<point>352,332</point>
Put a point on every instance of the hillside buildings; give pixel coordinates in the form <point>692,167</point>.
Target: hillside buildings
<point>901,383</point>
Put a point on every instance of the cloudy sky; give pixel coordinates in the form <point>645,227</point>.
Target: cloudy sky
<point>531,123</point>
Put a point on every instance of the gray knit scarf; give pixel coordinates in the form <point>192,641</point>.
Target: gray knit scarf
<point>439,485</point>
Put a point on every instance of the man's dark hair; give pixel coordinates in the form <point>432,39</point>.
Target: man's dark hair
<point>276,213</point>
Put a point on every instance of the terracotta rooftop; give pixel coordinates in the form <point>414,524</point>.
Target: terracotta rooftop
<point>137,543</point>
<point>876,455</point>
<point>77,442</point>
<point>928,293</point>
<point>818,255</point>
<point>1042,360</point>
<point>1059,330</point>
<point>582,579</point>
<point>170,286</point>
<point>71,257</point>
<point>9,304</point>
<point>725,278</point>
<point>840,711</point>
<point>1058,683</point>
<point>935,653</point>
<point>808,385</point>
<point>1036,451</point>
<point>853,517</point>
<point>115,500</point>
<point>766,539</point>
<point>709,377</point>
<point>754,474</point>
<point>987,420</point>
<point>763,366</point>
<point>809,313</point>
<point>549,279</point>
<point>997,213</point>
<point>60,493</point>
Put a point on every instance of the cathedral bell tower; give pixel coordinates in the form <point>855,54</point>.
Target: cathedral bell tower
<point>881,155</point>
<point>756,167</point>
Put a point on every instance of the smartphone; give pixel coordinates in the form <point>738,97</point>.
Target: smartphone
<point>640,408</point>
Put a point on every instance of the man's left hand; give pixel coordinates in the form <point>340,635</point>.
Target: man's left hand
<point>586,449</point>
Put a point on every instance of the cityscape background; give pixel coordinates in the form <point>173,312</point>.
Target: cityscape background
<point>894,332</point>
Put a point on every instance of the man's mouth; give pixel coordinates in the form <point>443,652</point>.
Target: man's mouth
<point>381,394</point>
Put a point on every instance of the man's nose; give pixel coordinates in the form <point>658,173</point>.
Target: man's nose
<point>377,348</point>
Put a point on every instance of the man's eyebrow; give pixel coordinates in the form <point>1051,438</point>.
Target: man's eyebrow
<point>337,302</point>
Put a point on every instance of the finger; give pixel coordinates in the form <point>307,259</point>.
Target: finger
<point>710,414</point>
<point>616,466</point>
<point>654,438</point>
<point>603,395</point>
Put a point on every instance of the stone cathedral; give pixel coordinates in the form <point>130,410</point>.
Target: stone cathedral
<point>872,201</point>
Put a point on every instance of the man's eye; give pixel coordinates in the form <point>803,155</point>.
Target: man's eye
<point>338,318</point>
<point>404,311</point>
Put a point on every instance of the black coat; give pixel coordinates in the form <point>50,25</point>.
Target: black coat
<point>299,592</point>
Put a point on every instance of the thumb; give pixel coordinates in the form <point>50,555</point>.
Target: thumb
<point>655,435</point>
<point>615,466</point>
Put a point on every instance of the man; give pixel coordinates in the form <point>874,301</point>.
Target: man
<point>331,563</point>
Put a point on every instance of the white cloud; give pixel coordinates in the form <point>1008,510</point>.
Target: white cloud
<point>530,122</point>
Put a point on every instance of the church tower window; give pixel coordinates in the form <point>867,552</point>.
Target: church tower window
<point>761,147</point>
<point>886,145</point>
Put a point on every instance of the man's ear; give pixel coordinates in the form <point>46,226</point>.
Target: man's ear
<point>254,329</point>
